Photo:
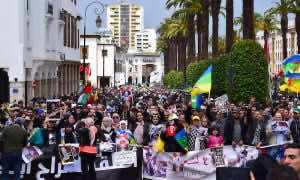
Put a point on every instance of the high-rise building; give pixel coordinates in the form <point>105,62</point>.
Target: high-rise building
<point>145,41</point>
<point>125,20</point>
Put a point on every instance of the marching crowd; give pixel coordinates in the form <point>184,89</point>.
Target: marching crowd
<point>126,116</point>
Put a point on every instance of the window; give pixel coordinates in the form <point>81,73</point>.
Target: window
<point>27,6</point>
<point>86,52</point>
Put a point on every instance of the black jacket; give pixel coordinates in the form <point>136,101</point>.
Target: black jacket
<point>251,128</point>
<point>295,130</point>
<point>228,132</point>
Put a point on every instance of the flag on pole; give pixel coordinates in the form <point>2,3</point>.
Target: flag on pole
<point>197,101</point>
<point>203,85</point>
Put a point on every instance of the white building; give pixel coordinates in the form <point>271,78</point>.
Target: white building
<point>99,49</point>
<point>139,68</point>
<point>275,46</point>
<point>145,41</point>
<point>125,20</point>
<point>40,48</point>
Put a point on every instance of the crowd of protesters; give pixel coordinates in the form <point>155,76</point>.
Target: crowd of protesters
<point>140,116</point>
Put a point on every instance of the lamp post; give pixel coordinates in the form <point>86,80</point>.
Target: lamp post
<point>98,11</point>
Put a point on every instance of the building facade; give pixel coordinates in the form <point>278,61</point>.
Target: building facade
<point>275,46</point>
<point>125,20</point>
<point>139,68</point>
<point>40,55</point>
<point>145,41</point>
<point>100,53</point>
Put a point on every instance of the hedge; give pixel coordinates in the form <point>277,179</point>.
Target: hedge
<point>241,74</point>
<point>174,80</point>
<point>219,76</point>
<point>249,72</point>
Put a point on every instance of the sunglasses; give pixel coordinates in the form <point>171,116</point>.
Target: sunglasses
<point>115,117</point>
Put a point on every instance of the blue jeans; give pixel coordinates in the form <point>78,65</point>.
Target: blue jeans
<point>11,161</point>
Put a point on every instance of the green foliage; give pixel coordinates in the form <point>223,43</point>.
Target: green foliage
<point>174,80</point>
<point>249,72</point>
<point>219,75</point>
<point>194,71</point>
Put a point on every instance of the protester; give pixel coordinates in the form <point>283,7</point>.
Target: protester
<point>215,139</point>
<point>277,130</point>
<point>295,125</point>
<point>87,149</point>
<point>282,172</point>
<point>198,135</point>
<point>292,157</point>
<point>172,128</point>
<point>235,130</point>
<point>13,138</point>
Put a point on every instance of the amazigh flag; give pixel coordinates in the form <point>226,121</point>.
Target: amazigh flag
<point>83,98</point>
<point>203,85</point>
<point>181,138</point>
<point>197,101</point>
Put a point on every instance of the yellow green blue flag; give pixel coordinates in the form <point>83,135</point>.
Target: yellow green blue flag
<point>203,85</point>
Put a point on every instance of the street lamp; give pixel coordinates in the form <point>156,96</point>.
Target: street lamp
<point>98,11</point>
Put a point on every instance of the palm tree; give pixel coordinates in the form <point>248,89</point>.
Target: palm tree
<point>215,8</point>
<point>248,17</point>
<point>205,28</point>
<point>267,23</point>
<point>295,8</point>
<point>178,29</point>
<point>238,21</point>
<point>168,46</point>
<point>283,8</point>
<point>190,8</point>
<point>229,25</point>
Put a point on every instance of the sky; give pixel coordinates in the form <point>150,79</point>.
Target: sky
<point>155,11</point>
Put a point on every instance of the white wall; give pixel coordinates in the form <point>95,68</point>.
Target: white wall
<point>95,59</point>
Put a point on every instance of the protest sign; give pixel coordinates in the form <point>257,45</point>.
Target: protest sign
<point>68,153</point>
<point>53,109</point>
<point>50,168</point>
<point>276,151</point>
<point>221,103</point>
<point>124,158</point>
<point>30,153</point>
<point>194,164</point>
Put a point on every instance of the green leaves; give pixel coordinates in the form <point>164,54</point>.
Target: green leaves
<point>249,72</point>
<point>174,80</point>
<point>241,74</point>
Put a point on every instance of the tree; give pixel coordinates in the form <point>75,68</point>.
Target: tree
<point>248,17</point>
<point>283,8</point>
<point>215,8</point>
<point>247,72</point>
<point>190,8</point>
<point>174,80</point>
<point>295,8</point>
<point>267,23</point>
<point>205,28</point>
<point>229,25</point>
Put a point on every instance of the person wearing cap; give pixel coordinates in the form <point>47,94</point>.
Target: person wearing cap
<point>197,137</point>
<point>172,127</point>
<point>13,139</point>
<point>295,125</point>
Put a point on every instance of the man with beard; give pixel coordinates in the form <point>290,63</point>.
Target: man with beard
<point>256,131</point>
<point>234,129</point>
